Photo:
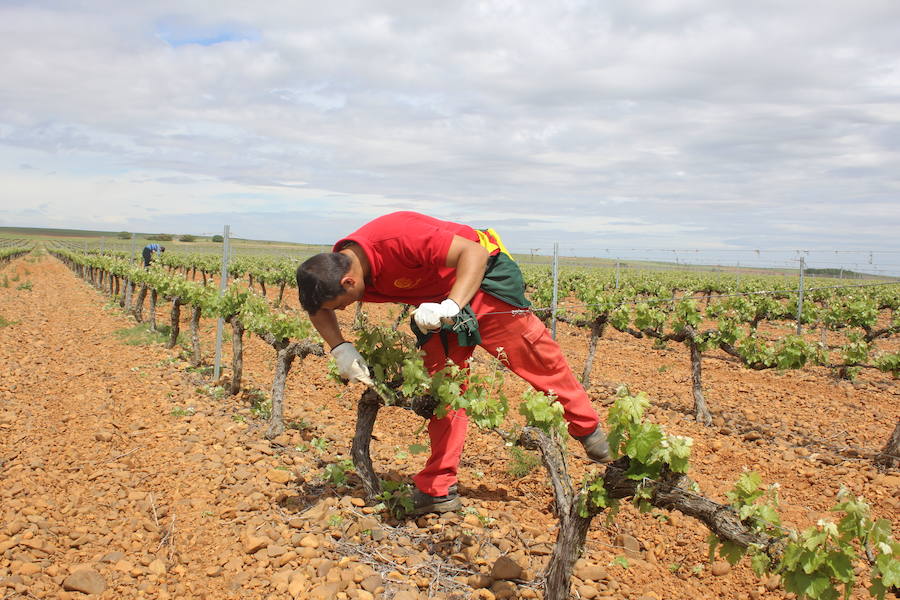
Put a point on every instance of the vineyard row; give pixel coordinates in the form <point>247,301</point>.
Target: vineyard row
<point>650,467</point>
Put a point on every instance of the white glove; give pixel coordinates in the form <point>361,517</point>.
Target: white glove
<point>429,314</point>
<point>350,363</point>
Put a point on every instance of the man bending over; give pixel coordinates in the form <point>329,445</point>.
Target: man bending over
<point>451,273</point>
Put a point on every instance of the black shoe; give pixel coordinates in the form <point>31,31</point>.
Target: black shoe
<point>424,503</point>
<point>595,445</point>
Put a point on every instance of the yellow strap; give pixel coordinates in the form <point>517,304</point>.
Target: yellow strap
<point>490,245</point>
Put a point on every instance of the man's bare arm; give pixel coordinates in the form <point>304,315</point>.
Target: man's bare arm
<point>325,322</point>
<point>470,260</point>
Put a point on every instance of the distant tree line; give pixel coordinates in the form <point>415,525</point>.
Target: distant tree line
<point>166,237</point>
<point>836,273</point>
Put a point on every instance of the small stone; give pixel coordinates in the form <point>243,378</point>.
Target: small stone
<point>506,568</point>
<point>503,589</point>
<point>284,558</point>
<point>281,579</point>
<point>214,571</point>
<point>254,543</point>
<point>157,567</point>
<point>335,574</point>
<point>87,581</point>
<point>478,581</point>
<point>772,583</point>
<point>325,591</point>
<point>589,572</point>
<point>630,544</point>
<point>237,582</point>
<point>472,520</point>
<point>113,557</point>
<point>297,584</point>
<point>489,553</point>
<point>309,541</point>
<point>372,583</point>
<point>279,475</point>
<point>123,565</point>
<point>720,568</point>
<point>587,591</point>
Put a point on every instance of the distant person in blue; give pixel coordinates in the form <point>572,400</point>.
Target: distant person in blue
<point>148,252</point>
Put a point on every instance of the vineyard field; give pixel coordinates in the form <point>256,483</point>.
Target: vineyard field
<point>120,459</point>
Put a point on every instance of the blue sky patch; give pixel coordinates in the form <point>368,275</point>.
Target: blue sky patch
<point>176,31</point>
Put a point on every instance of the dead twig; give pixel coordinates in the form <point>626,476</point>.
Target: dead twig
<point>168,538</point>
<point>114,459</point>
<point>153,506</point>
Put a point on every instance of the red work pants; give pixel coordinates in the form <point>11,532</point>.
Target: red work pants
<point>530,352</point>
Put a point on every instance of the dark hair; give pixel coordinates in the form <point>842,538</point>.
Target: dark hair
<point>319,279</point>
<point>162,248</point>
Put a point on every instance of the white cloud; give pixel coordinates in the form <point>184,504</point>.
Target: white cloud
<point>674,122</point>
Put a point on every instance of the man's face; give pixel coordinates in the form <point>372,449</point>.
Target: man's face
<point>353,291</point>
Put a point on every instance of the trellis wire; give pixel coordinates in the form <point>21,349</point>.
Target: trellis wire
<point>701,297</point>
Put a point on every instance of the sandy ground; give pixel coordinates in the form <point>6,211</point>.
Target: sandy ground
<point>128,475</point>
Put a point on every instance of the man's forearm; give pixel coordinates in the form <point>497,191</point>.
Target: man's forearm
<point>468,280</point>
<point>325,322</point>
<point>471,261</point>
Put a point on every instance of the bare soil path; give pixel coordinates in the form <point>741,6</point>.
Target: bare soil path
<point>125,475</point>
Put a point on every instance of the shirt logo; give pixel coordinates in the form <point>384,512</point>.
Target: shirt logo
<point>405,283</point>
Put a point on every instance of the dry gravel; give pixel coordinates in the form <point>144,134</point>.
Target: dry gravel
<point>125,475</point>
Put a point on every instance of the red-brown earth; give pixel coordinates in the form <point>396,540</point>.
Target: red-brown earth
<point>125,471</point>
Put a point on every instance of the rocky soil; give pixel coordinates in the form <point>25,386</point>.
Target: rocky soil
<point>124,474</point>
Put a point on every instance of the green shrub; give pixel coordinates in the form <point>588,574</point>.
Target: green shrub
<point>140,335</point>
<point>523,462</point>
<point>336,473</point>
<point>260,404</point>
<point>396,498</point>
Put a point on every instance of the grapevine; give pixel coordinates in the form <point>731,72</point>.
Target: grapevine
<point>818,562</point>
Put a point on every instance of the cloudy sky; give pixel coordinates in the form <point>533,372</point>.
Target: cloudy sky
<point>612,127</point>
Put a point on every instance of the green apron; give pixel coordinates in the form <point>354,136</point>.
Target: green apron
<point>502,280</point>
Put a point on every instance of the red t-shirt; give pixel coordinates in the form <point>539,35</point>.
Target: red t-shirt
<point>407,252</point>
